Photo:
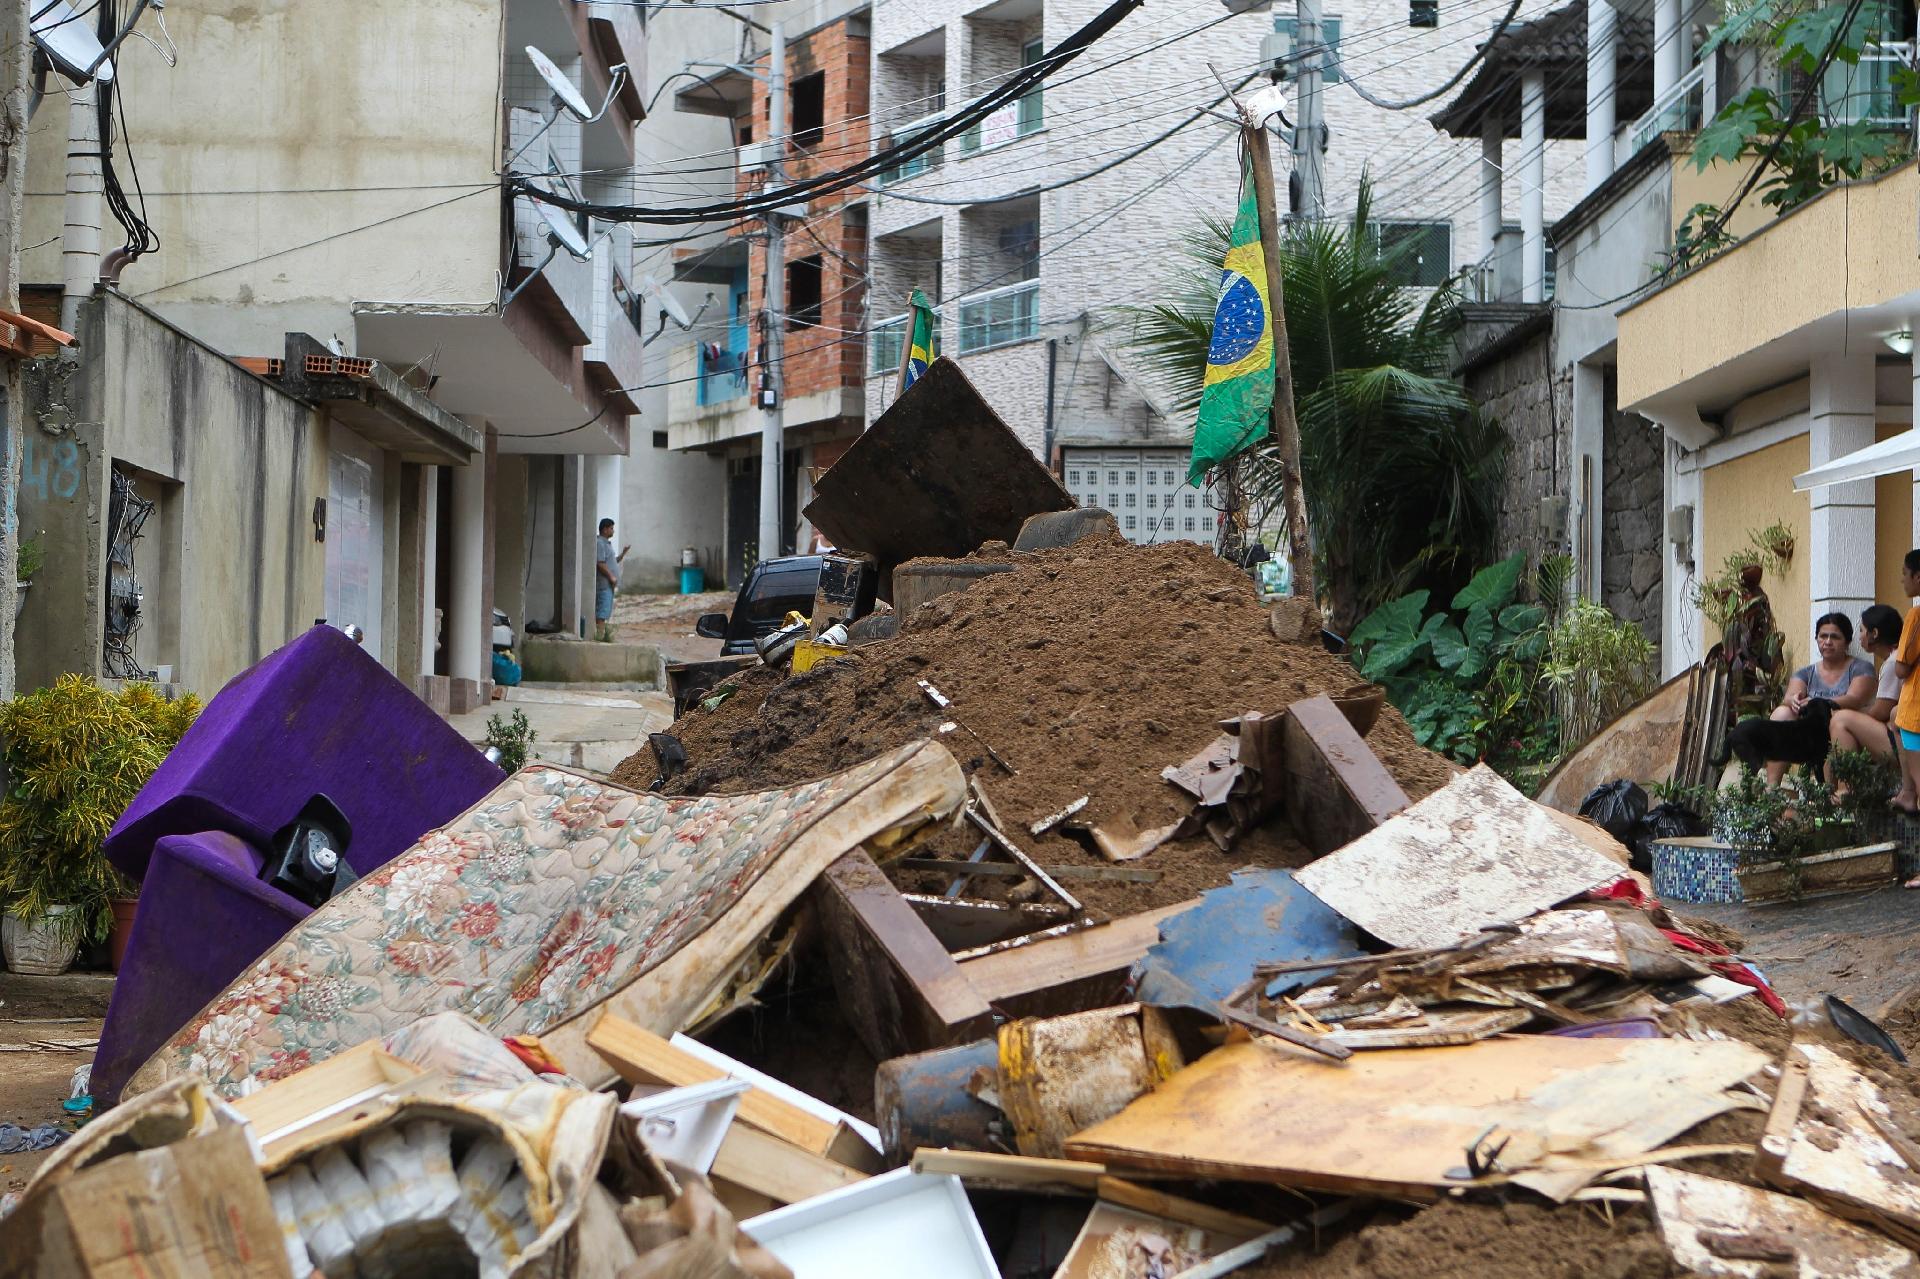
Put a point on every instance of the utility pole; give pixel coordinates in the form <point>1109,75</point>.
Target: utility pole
<point>16,45</point>
<point>1308,160</point>
<point>773,338</point>
<point>1286,427</point>
<point>85,205</point>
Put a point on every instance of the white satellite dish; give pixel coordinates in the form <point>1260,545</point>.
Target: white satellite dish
<point>563,91</point>
<point>564,232</point>
<point>668,303</point>
<point>66,36</point>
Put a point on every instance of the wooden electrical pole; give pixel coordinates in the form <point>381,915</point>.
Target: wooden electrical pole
<point>1286,427</point>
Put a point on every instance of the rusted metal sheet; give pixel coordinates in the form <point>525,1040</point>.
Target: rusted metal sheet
<point>936,475</point>
<point>1060,1074</point>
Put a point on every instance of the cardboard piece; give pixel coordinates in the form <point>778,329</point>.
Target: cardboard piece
<point>1826,1140</point>
<point>1335,787</point>
<point>1724,1230</point>
<point>912,484</point>
<point>1475,852</point>
<point>1399,1122</point>
<point>193,1209</point>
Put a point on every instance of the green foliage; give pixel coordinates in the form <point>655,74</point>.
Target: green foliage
<point>1810,152</point>
<point>76,755</point>
<point>513,738</point>
<point>1401,474</point>
<point>1700,238</point>
<point>1598,665</point>
<point>28,559</point>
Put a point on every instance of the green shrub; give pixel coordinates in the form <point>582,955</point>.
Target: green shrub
<point>513,738</point>
<point>76,755</point>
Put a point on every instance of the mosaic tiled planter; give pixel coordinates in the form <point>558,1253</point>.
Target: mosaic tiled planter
<point>1695,868</point>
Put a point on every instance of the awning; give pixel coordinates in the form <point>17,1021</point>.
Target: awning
<point>1899,453</point>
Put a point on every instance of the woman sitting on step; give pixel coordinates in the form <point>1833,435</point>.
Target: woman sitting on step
<point>1870,729</point>
<point>1796,733</point>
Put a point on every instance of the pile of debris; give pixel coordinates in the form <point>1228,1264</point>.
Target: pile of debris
<point>1140,944</point>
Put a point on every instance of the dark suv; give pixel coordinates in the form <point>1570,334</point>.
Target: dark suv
<point>774,589</point>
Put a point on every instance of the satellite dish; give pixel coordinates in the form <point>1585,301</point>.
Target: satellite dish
<point>563,91</point>
<point>564,232</point>
<point>67,39</point>
<point>668,303</point>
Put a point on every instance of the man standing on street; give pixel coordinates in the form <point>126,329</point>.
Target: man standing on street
<point>606,566</point>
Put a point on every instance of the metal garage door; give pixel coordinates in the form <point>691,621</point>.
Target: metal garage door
<point>1146,489</point>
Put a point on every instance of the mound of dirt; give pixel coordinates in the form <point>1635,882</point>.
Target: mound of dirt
<point>1088,669</point>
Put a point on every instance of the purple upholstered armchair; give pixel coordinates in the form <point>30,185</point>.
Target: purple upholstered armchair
<point>319,716</point>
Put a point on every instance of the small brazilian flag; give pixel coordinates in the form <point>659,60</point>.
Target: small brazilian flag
<point>1238,397</point>
<point>919,339</point>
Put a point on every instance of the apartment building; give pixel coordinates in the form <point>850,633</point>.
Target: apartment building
<point>340,181</point>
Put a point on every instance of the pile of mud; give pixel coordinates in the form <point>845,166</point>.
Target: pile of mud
<point>1088,669</point>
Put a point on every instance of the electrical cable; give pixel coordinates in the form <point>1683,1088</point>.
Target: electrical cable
<point>1447,87</point>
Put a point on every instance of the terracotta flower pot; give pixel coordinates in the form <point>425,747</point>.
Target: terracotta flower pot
<point>123,908</point>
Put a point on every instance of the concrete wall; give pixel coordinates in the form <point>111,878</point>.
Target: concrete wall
<point>327,120</point>
<point>1751,492</point>
<point>669,501</point>
<point>229,564</point>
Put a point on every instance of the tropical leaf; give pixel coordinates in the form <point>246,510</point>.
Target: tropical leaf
<point>1493,586</point>
<point>1397,619</point>
<point>1518,619</point>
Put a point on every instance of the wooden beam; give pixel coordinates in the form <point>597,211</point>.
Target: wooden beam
<point>1008,870</point>
<point>762,1163</point>
<point>1010,1172</point>
<point>1070,973</point>
<point>1336,787</point>
<point>899,987</point>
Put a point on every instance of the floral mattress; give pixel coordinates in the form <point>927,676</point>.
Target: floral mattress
<point>553,894</point>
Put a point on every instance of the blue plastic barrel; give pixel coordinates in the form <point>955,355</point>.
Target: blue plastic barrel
<point>692,581</point>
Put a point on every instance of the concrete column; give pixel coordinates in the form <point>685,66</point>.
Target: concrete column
<point>606,500</point>
<point>429,566</point>
<point>1601,28</point>
<point>1667,47</point>
<point>1840,542</point>
<point>572,546</point>
<point>409,584</point>
<point>1492,138</point>
<point>464,626</point>
<point>1533,182</point>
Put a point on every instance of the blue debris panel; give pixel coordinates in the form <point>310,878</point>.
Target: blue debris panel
<point>1262,917</point>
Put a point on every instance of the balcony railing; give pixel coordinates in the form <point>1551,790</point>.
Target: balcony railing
<point>884,341</point>
<point>920,163</point>
<point>1676,110</point>
<point>1009,123</point>
<point>1000,317</point>
<point>1865,91</point>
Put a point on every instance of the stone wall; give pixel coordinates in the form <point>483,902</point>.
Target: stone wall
<point>1513,391</point>
<point>1631,516</point>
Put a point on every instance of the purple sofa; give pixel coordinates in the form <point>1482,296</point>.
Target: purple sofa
<point>319,716</point>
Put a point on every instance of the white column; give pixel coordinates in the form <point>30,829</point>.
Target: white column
<point>606,497</point>
<point>1601,26</point>
<point>1914,357</point>
<point>1667,64</point>
<point>1533,183</point>
<point>1587,451</point>
<point>1491,140</point>
<point>1840,541</point>
<point>465,628</point>
<point>430,558</point>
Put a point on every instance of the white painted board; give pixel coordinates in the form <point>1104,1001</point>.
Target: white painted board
<point>686,1125</point>
<point>899,1223</point>
<point>768,1084</point>
<point>1475,852</point>
<point>1692,1210</point>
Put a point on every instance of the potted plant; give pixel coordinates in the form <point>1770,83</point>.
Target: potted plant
<point>1815,850</point>
<point>26,563</point>
<point>1776,543</point>
<point>76,755</point>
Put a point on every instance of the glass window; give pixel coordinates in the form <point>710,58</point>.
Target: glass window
<point>1419,254</point>
<point>1073,478</point>
<point>1133,477</point>
<point>1190,524</point>
<point>1113,477</point>
<point>777,593</point>
<point>1133,523</point>
<point>1130,498</point>
<point>1190,501</point>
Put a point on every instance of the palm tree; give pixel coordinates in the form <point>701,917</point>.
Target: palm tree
<point>1402,475</point>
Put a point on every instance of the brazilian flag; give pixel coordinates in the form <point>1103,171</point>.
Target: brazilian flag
<point>1237,401</point>
<point>919,339</point>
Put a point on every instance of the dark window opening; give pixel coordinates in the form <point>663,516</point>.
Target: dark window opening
<point>803,293</point>
<point>1423,13</point>
<point>745,131</point>
<point>659,439</point>
<point>809,96</point>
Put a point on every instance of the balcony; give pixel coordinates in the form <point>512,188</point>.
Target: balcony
<point>1676,111</point>
<point>615,357</point>
<point>1000,317</point>
<point>919,164</point>
<point>1866,91</point>
<point>1009,123</point>
<point>723,369</point>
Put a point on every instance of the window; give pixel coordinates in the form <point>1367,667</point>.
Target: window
<point>1189,505</point>
<point>1132,499</point>
<point>1133,523</point>
<point>1190,524</point>
<point>1421,252</point>
<point>809,105</point>
<point>1423,13</point>
<point>775,594</point>
<point>659,439</point>
<point>1073,478</point>
<point>803,293</point>
<point>1030,107</point>
<point>1329,36</point>
<point>1513,228</point>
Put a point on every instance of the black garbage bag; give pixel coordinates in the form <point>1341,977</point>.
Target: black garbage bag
<point>1663,821</point>
<point>1617,807</point>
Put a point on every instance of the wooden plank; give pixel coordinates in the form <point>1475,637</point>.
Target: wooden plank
<point>1336,789</point>
<point>1007,870</point>
<point>762,1163</point>
<point>1821,1143</point>
<point>1131,1194</point>
<point>900,989</point>
<point>1067,974</point>
<point>642,1057</point>
<point>1473,853</point>
<point>1397,1122</point>
<point>1715,1227</point>
<point>1644,743</point>
<point>984,1168</point>
<point>327,1095</point>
